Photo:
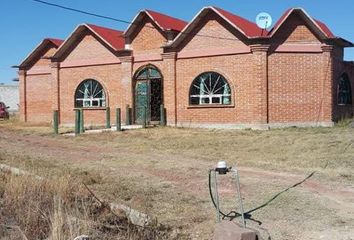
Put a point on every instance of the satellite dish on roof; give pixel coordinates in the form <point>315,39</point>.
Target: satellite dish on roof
<point>264,20</point>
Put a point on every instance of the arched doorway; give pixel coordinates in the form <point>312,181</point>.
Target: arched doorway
<point>148,94</point>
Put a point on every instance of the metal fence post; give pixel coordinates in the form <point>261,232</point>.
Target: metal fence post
<point>162,115</point>
<point>118,120</point>
<point>55,122</point>
<point>127,115</point>
<point>77,121</point>
<point>82,124</point>
<point>108,117</point>
<point>218,217</point>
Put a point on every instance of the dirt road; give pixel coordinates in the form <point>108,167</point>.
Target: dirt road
<point>167,178</point>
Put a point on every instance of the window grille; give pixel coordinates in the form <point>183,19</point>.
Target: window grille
<point>210,88</point>
<point>90,94</point>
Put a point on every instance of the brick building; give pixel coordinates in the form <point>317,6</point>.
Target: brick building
<point>218,70</point>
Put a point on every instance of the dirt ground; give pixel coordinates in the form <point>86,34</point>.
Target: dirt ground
<point>164,172</point>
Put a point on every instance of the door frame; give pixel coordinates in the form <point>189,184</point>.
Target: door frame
<point>148,80</point>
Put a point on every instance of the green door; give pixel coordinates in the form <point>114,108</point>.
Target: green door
<point>141,101</point>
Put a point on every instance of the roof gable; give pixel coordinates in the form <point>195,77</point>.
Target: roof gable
<point>248,28</point>
<point>163,22</point>
<point>166,22</point>
<point>112,38</point>
<point>316,26</point>
<point>245,27</point>
<point>55,41</point>
<point>212,33</point>
<point>38,51</point>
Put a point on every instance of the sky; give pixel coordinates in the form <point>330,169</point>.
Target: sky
<point>24,23</point>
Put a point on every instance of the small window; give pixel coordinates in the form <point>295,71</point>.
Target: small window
<point>210,88</point>
<point>344,90</point>
<point>90,93</point>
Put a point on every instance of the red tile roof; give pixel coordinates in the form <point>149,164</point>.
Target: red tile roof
<point>249,28</point>
<point>112,37</point>
<point>55,41</point>
<point>280,20</point>
<point>166,22</point>
<point>325,29</point>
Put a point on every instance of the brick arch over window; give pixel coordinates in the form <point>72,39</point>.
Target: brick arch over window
<point>210,88</point>
<point>147,72</point>
<point>90,94</point>
<point>344,90</point>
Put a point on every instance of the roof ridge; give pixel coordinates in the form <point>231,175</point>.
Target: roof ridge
<point>99,26</point>
<point>164,14</point>
<point>319,24</point>
<point>249,28</point>
<point>166,22</point>
<point>56,41</point>
<point>218,8</point>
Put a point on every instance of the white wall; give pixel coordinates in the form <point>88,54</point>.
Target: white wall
<point>9,94</point>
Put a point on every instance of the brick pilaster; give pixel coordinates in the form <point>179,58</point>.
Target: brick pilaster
<point>23,94</point>
<point>169,85</point>
<point>328,88</point>
<point>260,83</point>
<point>55,66</point>
<point>127,82</point>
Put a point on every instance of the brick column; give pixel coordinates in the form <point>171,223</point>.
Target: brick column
<point>169,86</point>
<point>23,95</point>
<point>260,83</point>
<point>55,67</point>
<point>328,90</point>
<point>127,83</point>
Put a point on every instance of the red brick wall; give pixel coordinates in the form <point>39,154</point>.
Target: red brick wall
<point>38,90</point>
<point>45,61</point>
<point>295,87</point>
<point>89,47</point>
<point>109,76</point>
<point>237,71</point>
<point>147,39</point>
<point>220,32</point>
<point>296,80</point>
<point>295,30</point>
<point>39,102</point>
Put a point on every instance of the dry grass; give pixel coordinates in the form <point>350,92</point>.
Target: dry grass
<point>163,172</point>
<point>61,209</point>
<point>14,123</point>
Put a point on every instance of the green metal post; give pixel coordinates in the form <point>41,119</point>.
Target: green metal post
<point>55,122</point>
<point>118,120</point>
<point>108,117</point>
<point>162,115</point>
<point>77,121</point>
<point>127,115</point>
<point>82,124</point>
<point>144,117</point>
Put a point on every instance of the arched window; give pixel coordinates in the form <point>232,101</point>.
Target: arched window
<point>90,93</point>
<point>148,73</point>
<point>210,88</point>
<point>344,90</point>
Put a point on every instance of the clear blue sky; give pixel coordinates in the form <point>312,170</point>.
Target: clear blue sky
<point>25,23</point>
